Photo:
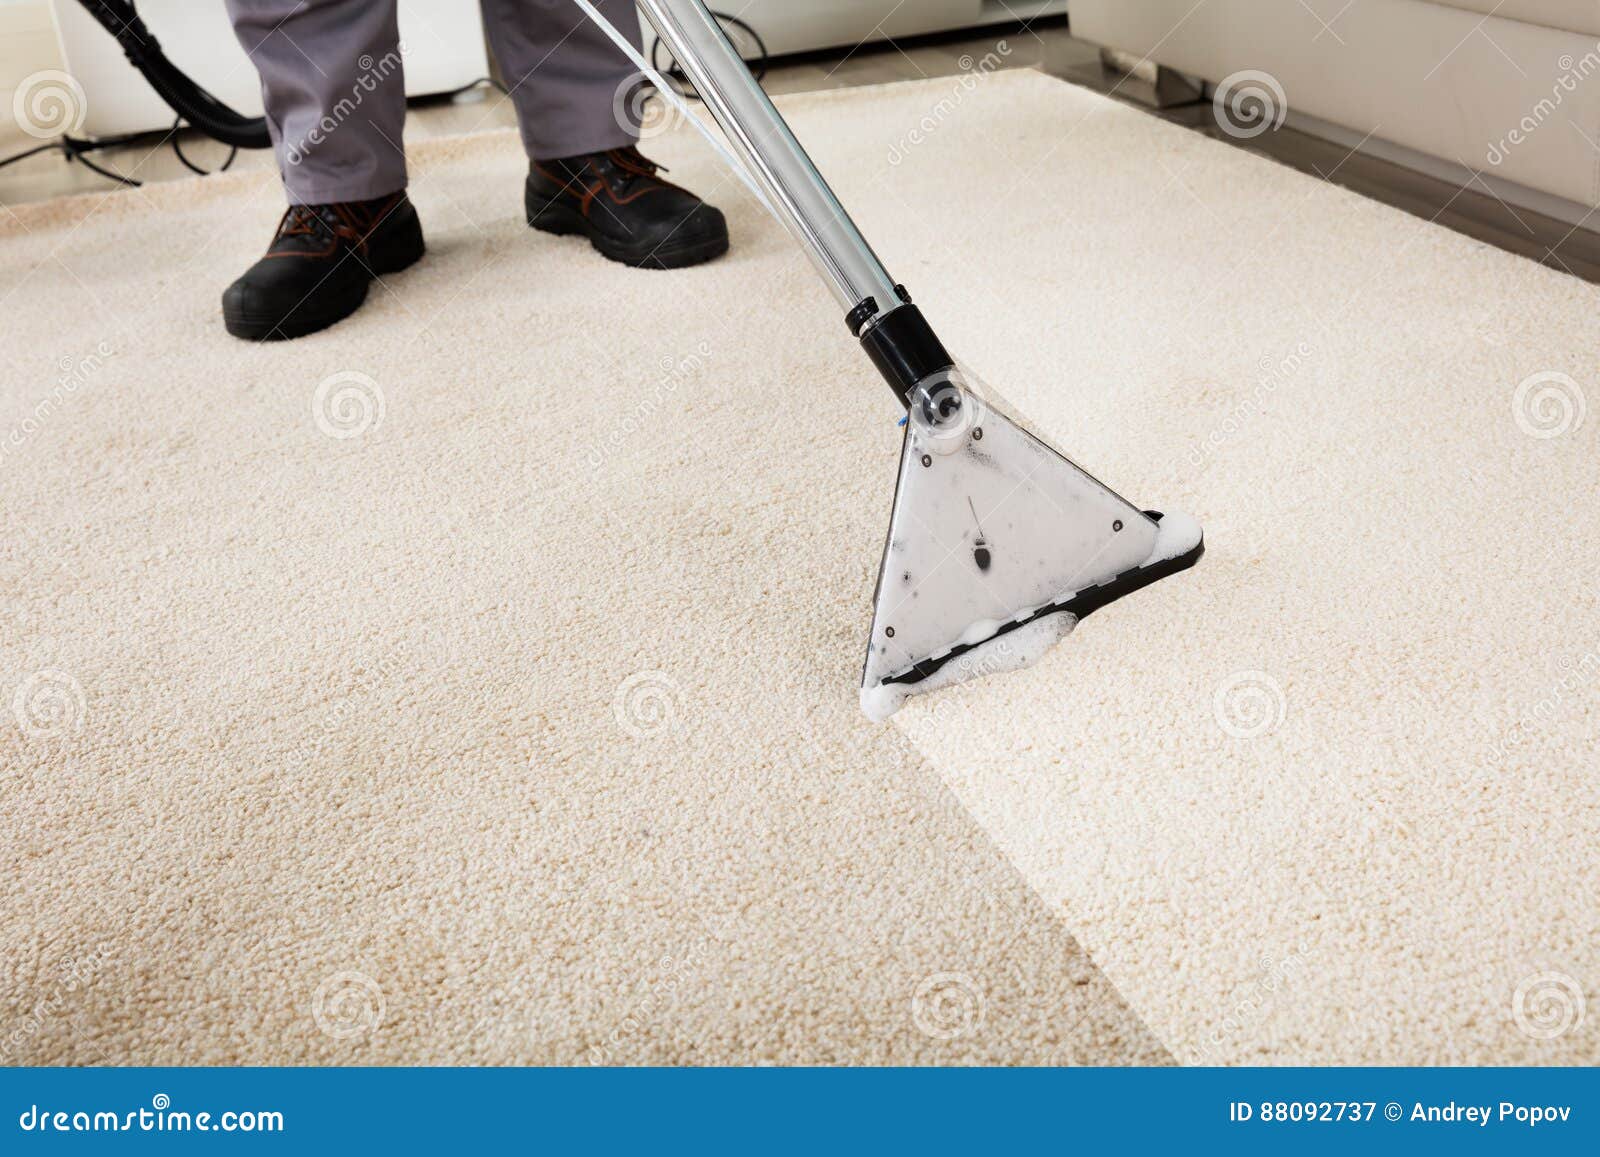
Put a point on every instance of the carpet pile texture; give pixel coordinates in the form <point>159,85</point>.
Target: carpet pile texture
<point>476,681</point>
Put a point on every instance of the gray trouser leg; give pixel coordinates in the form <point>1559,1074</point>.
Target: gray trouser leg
<point>334,91</point>
<point>564,74</point>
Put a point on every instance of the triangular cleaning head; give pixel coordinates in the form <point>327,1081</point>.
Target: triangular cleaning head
<point>997,546</point>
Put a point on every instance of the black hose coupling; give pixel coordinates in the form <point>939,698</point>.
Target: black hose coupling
<point>905,349</point>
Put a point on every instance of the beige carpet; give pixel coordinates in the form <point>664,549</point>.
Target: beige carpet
<point>1334,795</point>
<point>519,724</point>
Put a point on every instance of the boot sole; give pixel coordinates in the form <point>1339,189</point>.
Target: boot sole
<point>402,252</point>
<point>562,220</point>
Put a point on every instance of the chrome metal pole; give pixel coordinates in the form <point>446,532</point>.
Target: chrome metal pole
<point>760,139</point>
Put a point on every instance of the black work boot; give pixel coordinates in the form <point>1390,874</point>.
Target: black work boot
<point>631,215</point>
<point>317,268</point>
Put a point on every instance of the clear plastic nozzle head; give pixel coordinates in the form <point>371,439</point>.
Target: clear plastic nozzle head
<point>944,410</point>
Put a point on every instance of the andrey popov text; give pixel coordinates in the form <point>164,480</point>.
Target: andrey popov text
<point>1358,1112</point>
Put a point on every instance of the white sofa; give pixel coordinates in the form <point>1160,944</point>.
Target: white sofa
<point>787,26</point>
<point>1510,89</point>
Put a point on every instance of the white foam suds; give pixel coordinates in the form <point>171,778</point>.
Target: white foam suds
<point>1022,647</point>
<point>1176,534</point>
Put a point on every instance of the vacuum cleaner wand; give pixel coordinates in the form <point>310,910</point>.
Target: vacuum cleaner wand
<point>997,543</point>
<point>763,151</point>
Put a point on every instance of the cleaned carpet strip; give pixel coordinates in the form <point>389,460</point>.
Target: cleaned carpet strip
<point>1332,795</point>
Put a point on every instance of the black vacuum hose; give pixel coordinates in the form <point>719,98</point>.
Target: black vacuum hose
<point>193,103</point>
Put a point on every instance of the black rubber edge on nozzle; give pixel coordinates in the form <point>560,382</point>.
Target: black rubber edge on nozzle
<point>902,345</point>
<point>1080,605</point>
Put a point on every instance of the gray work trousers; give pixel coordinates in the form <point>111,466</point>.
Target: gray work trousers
<point>334,89</point>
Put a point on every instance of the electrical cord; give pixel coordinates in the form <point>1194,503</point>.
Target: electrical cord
<point>177,150</point>
<point>77,148</point>
<point>33,152</point>
<point>468,87</point>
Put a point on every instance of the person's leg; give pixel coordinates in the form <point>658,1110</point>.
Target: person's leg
<point>572,89</point>
<point>334,91</point>
<point>564,73</point>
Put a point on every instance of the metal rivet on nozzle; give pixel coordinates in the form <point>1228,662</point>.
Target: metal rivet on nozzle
<point>889,631</point>
<point>927,461</point>
<point>977,433</point>
<point>1117,524</point>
